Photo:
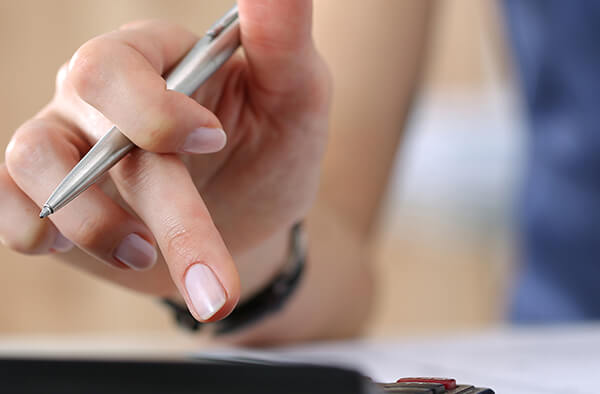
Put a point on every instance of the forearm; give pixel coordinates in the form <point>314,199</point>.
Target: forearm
<point>334,296</point>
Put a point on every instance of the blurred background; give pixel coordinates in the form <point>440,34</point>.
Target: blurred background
<point>444,249</point>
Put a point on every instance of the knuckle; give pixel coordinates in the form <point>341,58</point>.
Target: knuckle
<point>87,67</point>
<point>22,151</point>
<point>181,241</point>
<point>31,145</point>
<point>178,239</point>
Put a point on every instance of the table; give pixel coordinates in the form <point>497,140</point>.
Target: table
<point>511,360</point>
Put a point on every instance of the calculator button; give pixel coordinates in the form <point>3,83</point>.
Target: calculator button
<point>449,384</point>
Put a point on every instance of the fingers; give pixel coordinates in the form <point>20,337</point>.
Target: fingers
<point>119,74</point>
<point>276,36</point>
<point>39,156</point>
<point>161,191</point>
<point>20,227</point>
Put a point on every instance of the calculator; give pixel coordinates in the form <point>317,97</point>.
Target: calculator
<point>218,376</point>
<point>431,386</point>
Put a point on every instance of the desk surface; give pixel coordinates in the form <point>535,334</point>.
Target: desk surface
<point>548,360</point>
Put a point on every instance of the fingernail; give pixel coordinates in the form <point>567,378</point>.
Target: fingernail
<point>61,244</point>
<point>205,291</point>
<point>204,140</point>
<point>135,252</point>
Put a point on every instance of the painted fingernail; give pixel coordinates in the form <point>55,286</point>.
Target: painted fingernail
<point>135,252</point>
<point>61,244</point>
<point>205,291</point>
<point>204,140</point>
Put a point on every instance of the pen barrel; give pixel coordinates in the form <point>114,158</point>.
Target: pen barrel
<point>111,148</point>
<point>204,59</point>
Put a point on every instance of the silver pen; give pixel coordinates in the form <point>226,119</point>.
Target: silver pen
<point>207,55</point>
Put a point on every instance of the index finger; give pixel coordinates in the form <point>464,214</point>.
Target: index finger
<point>161,191</point>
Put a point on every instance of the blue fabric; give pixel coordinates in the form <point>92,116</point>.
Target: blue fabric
<point>557,48</point>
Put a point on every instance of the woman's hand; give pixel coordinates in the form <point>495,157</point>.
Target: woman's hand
<point>221,177</point>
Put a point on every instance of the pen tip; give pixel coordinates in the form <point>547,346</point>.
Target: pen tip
<point>46,211</point>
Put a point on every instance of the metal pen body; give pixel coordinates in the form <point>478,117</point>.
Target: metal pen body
<point>207,55</point>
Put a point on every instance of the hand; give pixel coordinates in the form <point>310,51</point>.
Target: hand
<point>206,197</point>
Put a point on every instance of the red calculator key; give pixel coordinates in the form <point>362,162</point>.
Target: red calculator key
<point>449,384</point>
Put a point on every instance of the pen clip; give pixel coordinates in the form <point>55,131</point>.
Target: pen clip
<point>222,23</point>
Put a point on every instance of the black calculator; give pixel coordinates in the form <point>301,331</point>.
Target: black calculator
<point>76,376</point>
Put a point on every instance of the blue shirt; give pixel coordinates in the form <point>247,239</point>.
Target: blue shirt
<point>557,50</point>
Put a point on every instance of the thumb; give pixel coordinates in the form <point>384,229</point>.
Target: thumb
<point>276,36</point>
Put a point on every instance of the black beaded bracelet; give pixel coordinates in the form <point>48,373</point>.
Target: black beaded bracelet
<point>267,301</point>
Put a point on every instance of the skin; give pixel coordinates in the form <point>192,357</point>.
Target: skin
<point>233,209</point>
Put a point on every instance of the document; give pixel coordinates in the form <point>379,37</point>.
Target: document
<point>525,360</point>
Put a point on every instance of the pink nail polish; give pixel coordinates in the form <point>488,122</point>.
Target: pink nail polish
<point>61,244</point>
<point>204,290</point>
<point>135,252</point>
<point>204,140</point>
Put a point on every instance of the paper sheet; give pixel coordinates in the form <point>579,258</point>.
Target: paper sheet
<point>548,360</point>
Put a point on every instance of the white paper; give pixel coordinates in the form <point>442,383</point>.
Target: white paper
<point>548,360</point>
